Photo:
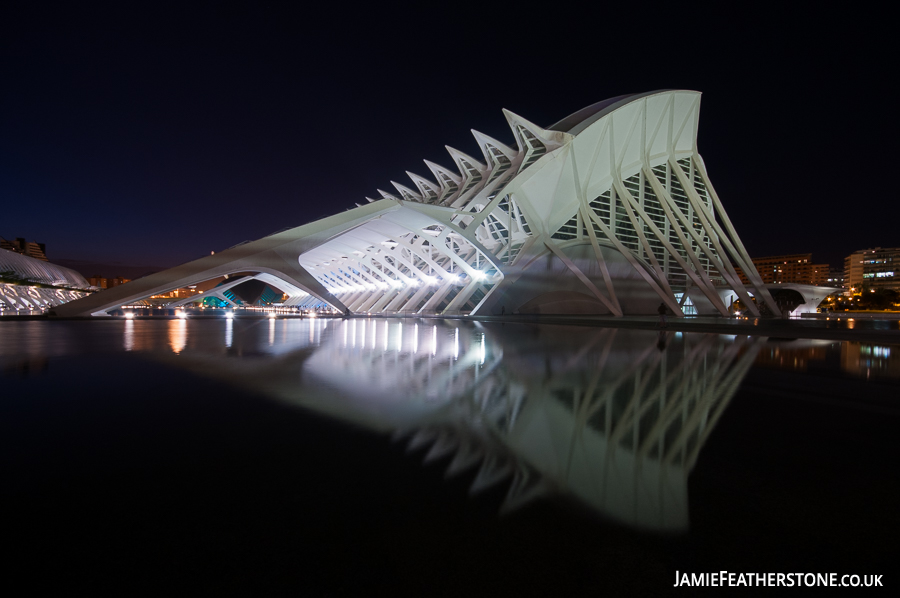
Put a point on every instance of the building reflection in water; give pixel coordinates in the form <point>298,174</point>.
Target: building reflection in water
<point>794,354</point>
<point>866,360</point>
<point>870,360</point>
<point>613,418</point>
<point>129,335</point>
<point>229,332</point>
<point>177,334</point>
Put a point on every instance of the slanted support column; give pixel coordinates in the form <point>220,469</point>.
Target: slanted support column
<point>462,297</point>
<point>221,296</point>
<point>214,291</point>
<point>581,276</point>
<point>435,299</point>
<point>738,251</point>
<point>400,299</point>
<point>667,298</point>
<point>699,277</point>
<point>604,269</point>
<point>412,304</point>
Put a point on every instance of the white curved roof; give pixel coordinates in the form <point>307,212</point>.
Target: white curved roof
<point>582,119</point>
<point>38,271</point>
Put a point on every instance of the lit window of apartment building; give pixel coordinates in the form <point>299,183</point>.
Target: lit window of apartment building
<point>877,268</point>
<point>796,268</point>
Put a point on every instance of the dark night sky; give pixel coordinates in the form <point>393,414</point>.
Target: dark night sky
<point>149,135</point>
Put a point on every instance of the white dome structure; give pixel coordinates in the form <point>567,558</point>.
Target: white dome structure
<point>30,284</point>
<point>609,211</point>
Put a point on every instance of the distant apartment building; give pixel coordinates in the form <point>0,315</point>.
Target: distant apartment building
<point>23,247</point>
<point>177,293</point>
<point>796,268</point>
<point>877,268</point>
<point>853,270</point>
<point>107,283</point>
<point>835,278</point>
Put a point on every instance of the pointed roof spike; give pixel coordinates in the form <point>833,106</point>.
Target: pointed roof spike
<point>425,186</point>
<point>406,193</point>
<point>444,445</point>
<point>422,437</point>
<point>492,471</point>
<point>466,457</point>
<point>524,488</point>
<point>485,140</point>
<point>370,200</point>
<point>436,169</point>
<point>387,195</point>
<point>552,139</point>
<point>458,156</point>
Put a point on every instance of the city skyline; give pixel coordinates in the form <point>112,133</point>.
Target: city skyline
<point>154,139</point>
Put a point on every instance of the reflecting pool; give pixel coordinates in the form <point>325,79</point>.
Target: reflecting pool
<point>217,451</point>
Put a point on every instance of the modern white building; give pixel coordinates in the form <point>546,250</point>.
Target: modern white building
<point>608,211</point>
<point>32,285</point>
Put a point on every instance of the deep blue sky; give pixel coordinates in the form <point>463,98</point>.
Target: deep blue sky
<point>150,134</point>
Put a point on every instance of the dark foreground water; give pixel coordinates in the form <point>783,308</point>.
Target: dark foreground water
<point>404,457</point>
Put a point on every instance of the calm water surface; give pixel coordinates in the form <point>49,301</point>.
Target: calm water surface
<point>435,457</point>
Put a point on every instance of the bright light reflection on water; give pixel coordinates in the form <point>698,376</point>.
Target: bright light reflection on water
<point>615,419</point>
<point>177,334</point>
<point>153,440</point>
<point>129,335</point>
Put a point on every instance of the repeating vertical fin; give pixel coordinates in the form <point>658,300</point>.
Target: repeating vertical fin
<point>407,193</point>
<point>467,164</point>
<point>430,192</point>
<point>449,181</point>
<point>443,175</point>
<point>473,171</point>
<point>492,149</point>
<point>550,139</point>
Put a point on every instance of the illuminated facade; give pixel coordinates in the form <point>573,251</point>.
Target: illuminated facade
<point>609,211</point>
<point>795,268</point>
<point>877,268</point>
<point>107,283</point>
<point>31,284</point>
